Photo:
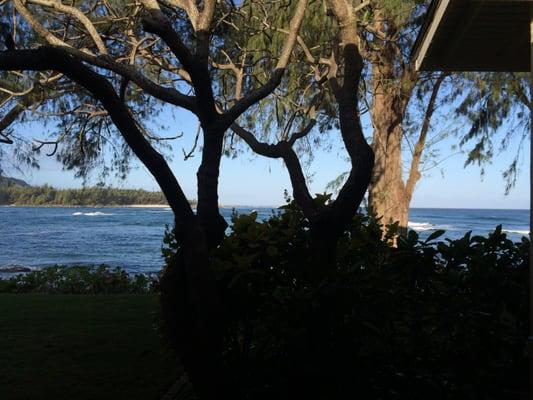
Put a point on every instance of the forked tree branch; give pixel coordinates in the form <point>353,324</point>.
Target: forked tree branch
<point>283,150</point>
<point>275,79</point>
<point>346,94</point>
<point>196,66</point>
<point>129,72</point>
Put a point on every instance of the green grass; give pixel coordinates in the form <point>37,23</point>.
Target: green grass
<point>81,347</point>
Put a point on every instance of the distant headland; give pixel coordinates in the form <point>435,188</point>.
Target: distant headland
<point>17,192</point>
<point>7,181</point>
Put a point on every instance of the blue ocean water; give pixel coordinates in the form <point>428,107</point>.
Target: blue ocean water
<point>132,237</point>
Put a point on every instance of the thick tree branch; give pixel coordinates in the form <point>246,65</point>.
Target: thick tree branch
<point>197,68</point>
<point>346,94</point>
<point>166,94</point>
<point>169,95</point>
<point>50,58</point>
<point>283,150</point>
<point>80,16</point>
<point>206,16</point>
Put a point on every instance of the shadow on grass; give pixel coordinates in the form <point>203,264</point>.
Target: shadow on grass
<point>81,347</point>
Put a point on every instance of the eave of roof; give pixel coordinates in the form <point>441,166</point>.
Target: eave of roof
<point>475,35</point>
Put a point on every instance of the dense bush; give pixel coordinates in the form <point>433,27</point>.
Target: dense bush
<point>426,319</point>
<point>79,280</point>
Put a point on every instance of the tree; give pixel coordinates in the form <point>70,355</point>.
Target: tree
<point>405,105</point>
<point>101,50</point>
<point>335,73</point>
<point>101,69</point>
<point>384,32</point>
<point>495,102</point>
<point>408,111</point>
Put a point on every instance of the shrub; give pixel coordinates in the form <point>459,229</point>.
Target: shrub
<point>439,319</point>
<point>79,280</point>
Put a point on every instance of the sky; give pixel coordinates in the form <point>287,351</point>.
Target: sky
<point>257,181</point>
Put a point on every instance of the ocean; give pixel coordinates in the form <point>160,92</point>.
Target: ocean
<point>132,237</point>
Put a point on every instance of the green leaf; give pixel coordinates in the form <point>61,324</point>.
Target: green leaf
<point>438,233</point>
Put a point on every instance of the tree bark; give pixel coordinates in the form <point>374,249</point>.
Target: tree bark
<point>388,197</point>
<point>389,194</point>
<point>391,90</point>
<point>192,314</point>
<point>212,222</point>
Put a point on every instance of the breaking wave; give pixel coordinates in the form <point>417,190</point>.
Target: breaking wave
<point>524,232</point>
<point>421,226</point>
<point>91,214</point>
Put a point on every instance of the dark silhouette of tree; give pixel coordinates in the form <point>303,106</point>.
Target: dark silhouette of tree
<point>336,76</point>
<point>105,53</point>
<point>101,71</point>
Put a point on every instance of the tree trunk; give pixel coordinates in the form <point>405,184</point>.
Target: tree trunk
<point>190,305</point>
<point>192,314</point>
<point>388,197</point>
<point>323,241</point>
<point>212,222</point>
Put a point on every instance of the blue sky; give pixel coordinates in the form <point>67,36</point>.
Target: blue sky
<point>253,180</point>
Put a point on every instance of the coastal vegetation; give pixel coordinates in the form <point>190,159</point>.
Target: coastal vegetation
<point>79,279</point>
<point>428,318</point>
<point>90,196</point>
<point>410,112</point>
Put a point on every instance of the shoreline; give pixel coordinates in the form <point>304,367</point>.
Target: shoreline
<point>88,205</point>
<point>230,206</point>
<point>124,206</point>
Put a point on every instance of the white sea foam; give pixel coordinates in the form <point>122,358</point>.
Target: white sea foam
<point>420,226</point>
<point>92,214</point>
<point>427,226</point>
<point>524,232</point>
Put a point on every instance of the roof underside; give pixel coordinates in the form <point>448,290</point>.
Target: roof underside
<point>474,35</point>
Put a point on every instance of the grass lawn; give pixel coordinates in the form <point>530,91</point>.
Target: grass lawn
<point>81,347</point>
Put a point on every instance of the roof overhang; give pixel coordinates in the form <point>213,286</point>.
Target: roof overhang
<point>475,35</point>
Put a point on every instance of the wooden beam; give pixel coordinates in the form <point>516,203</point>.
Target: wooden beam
<point>429,32</point>
<point>530,339</point>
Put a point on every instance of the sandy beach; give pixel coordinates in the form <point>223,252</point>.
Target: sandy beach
<point>146,206</point>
